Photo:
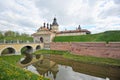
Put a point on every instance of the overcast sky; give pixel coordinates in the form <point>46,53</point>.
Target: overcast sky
<point>28,15</point>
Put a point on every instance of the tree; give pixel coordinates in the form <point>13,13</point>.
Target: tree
<point>17,34</point>
<point>9,33</point>
<point>1,35</point>
<point>24,34</point>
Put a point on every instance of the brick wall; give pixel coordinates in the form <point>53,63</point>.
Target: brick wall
<point>98,49</point>
<point>60,46</point>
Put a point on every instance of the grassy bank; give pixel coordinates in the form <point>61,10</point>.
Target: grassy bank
<point>9,70</point>
<point>13,59</point>
<point>50,52</point>
<point>88,59</point>
<point>108,36</point>
<point>93,60</point>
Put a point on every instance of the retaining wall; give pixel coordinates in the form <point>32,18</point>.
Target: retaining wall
<point>97,49</point>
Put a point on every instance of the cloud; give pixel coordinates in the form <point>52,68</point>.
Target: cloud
<point>109,9</point>
<point>71,13</point>
<point>20,16</point>
<point>96,15</point>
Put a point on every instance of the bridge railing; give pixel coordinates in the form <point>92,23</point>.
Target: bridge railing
<point>16,41</point>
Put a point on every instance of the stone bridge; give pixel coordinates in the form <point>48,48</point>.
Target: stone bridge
<point>15,48</point>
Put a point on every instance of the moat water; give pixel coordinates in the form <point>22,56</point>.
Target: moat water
<point>56,67</point>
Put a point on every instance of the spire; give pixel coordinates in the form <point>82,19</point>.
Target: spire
<point>47,26</point>
<point>44,24</point>
<point>79,28</point>
<point>55,21</point>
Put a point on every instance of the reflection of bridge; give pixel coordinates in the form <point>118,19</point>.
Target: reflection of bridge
<point>16,47</point>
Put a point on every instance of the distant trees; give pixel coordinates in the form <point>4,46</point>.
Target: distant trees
<point>11,36</point>
<point>1,35</point>
<point>17,34</point>
<point>24,34</point>
<point>11,33</point>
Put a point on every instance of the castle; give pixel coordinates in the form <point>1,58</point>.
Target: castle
<point>46,33</point>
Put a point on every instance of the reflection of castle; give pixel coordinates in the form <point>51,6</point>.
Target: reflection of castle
<point>46,33</point>
<point>47,68</point>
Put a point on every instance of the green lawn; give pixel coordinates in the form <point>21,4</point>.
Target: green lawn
<point>88,59</point>
<point>9,70</point>
<point>13,59</point>
<point>108,36</point>
<point>50,52</point>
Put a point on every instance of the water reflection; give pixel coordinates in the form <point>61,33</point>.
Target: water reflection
<point>47,68</point>
<point>27,59</point>
<point>32,69</point>
<point>67,73</point>
<point>58,68</point>
<point>58,72</point>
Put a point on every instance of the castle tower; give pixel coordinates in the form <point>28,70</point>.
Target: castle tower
<point>79,27</point>
<point>55,25</point>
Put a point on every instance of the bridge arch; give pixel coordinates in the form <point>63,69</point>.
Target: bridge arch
<point>8,51</point>
<point>38,47</point>
<point>26,49</point>
<point>17,47</point>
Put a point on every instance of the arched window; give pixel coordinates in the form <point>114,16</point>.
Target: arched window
<point>41,39</point>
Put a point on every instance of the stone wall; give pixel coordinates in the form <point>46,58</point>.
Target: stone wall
<point>46,38</point>
<point>60,46</point>
<point>98,49</point>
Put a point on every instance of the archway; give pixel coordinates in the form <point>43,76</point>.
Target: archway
<point>38,47</point>
<point>8,51</point>
<point>41,39</point>
<point>26,50</point>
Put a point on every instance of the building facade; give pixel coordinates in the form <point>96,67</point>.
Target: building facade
<point>47,32</point>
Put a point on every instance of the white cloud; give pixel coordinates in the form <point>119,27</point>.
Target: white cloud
<point>28,15</point>
<point>22,16</point>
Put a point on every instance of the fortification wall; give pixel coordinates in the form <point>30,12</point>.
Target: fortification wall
<point>97,49</point>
